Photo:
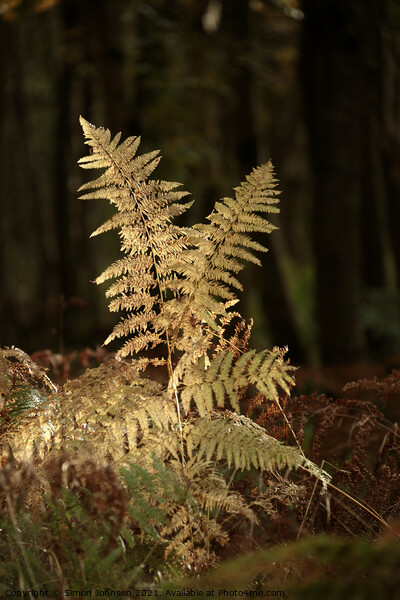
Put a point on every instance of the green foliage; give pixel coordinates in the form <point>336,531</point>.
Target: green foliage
<point>72,534</point>
<point>224,376</point>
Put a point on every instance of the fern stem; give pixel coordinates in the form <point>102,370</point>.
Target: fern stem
<point>229,485</point>
<point>169,348</point>
<point>308,506</point>
<point>369,509</point>
<point>290,428</point>
<point>178,410</point>
<point>63,583</point>
<point>231,478</point>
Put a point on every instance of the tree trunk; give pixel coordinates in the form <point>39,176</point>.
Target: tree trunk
<point>242,154</point>
<point>334,84</point>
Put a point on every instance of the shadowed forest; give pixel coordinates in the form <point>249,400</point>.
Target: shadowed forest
<point>219,87</point>
<point>176,448</point>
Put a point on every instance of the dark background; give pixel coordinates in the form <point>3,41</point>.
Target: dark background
<point>220,86</point>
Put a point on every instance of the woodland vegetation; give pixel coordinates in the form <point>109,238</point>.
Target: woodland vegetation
<point>120,481</point>
<point>187,452</point>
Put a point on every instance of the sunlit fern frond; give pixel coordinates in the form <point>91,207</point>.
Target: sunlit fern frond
<point>208,383</point>
<point>243,444</point>
<point>150,242</point>
<point>106,412</point>
<point>209,270</point>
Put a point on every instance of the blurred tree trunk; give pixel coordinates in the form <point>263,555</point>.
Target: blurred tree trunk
<point>6,323</point>
<point>242,154</point>
<point>38,200</point>
<point>335,87</point>
<point>390,107</point>
<point>380,205</point>
<point>62,145</point>
<point>107,27</point>
<point>240,140</point>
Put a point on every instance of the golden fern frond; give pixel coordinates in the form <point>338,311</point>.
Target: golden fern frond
<point>109,411</point>
<point>208,271</point>
<point>267,370</point>
<point>150,242</point>
<point>206,387</point>
<point>244,444</point>
<point>207,383</point>
<point>122,422</point>
<point>200,264</point>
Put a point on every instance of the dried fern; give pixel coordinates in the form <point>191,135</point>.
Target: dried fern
<point>199,264</point>
<point>113,409</point>
<point>150,242</point>
<point>208,271</point>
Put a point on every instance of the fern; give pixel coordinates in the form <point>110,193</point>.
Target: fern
<point>241,443</point>
<point>148,239</point>
<point>209,269</point>
<point>225,376</point>
<point>200,265</point>
<point>180,454</point>
<point>143,486</point>
<point>113,409</point>
<point>23,386</point>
